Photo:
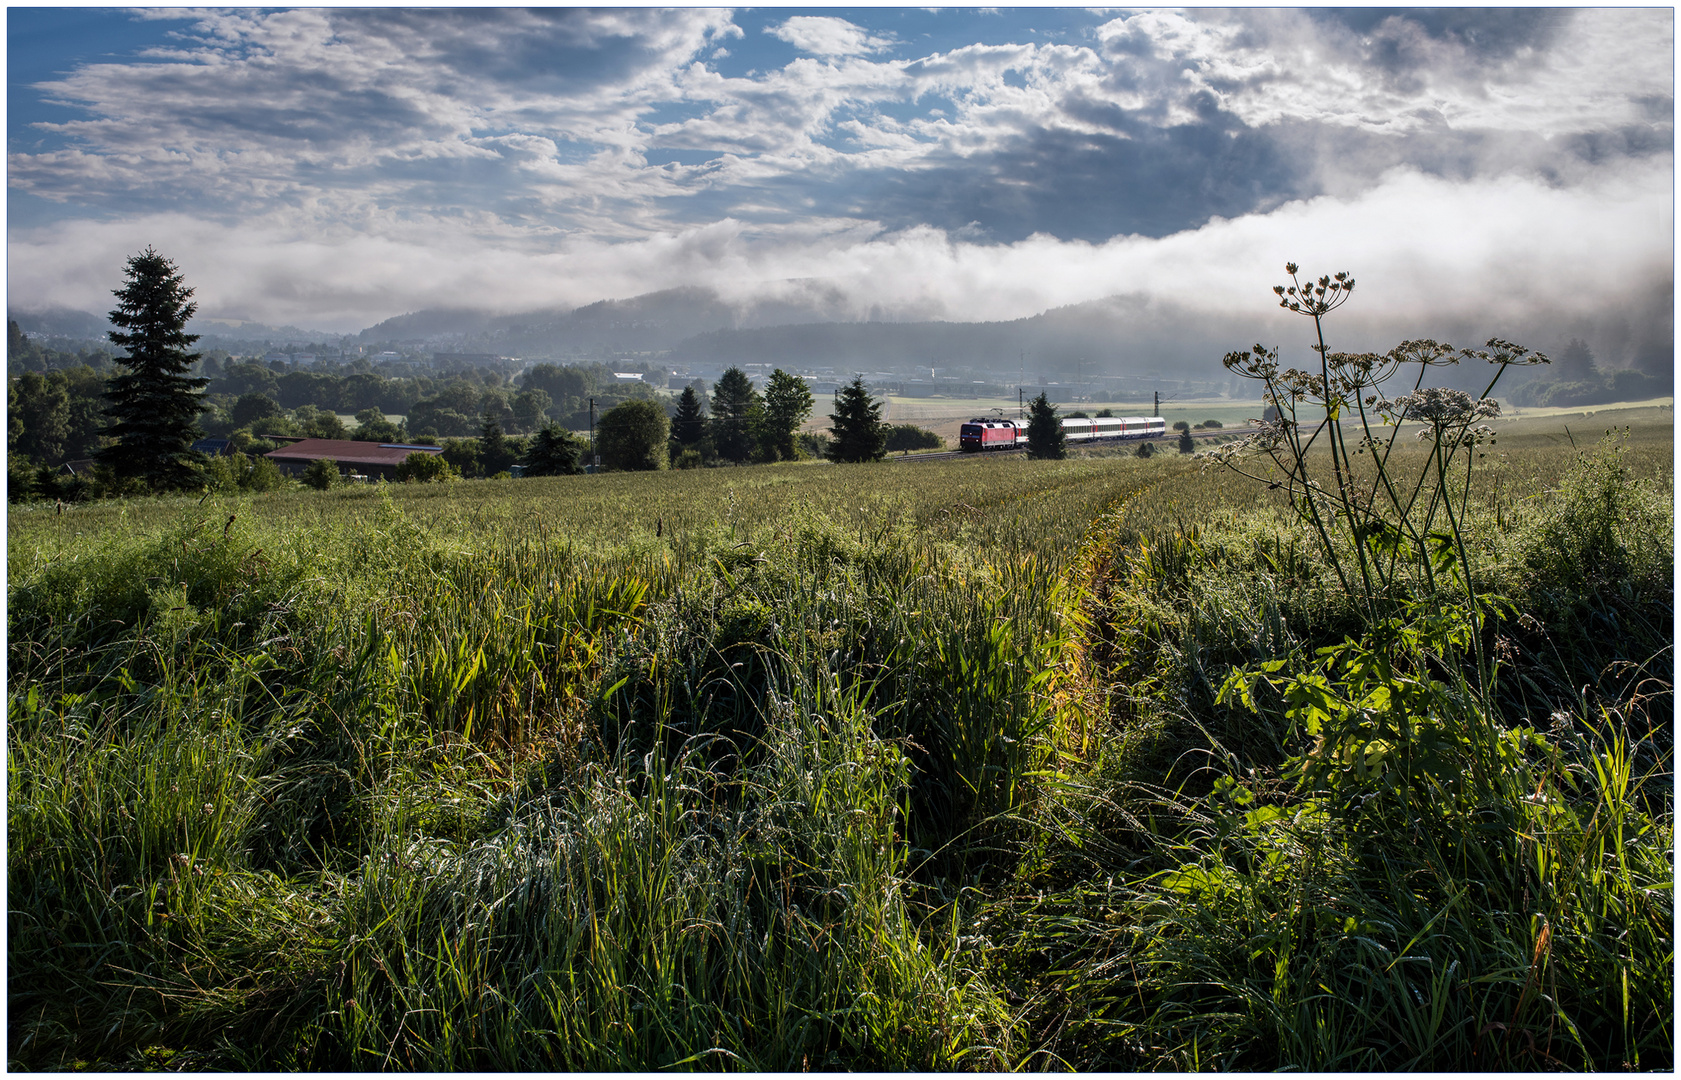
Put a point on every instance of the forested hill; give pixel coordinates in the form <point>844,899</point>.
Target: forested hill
<point>650,322</point>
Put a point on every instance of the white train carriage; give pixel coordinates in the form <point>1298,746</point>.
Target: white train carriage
<point>1093,429</point>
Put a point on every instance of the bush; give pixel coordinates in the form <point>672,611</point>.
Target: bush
<point>906,437</point>
<point>423,467</point>
<point>1181,425</point>
<point>1211,424</point>
<point>264,475</point>
<point>813,444</point>
<point>322,474</point>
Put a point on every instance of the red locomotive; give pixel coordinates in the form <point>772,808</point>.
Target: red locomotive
<point>990,433</point>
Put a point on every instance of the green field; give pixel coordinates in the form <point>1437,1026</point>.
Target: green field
<point>980,764</point>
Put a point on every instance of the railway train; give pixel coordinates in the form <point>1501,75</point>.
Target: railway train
<point>992,433</point>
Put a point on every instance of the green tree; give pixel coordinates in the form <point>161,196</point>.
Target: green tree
<point>688,427</point>
<point>319,423</point>
<point>253,408</point>
<point>154,404</point>
<point>735,409</point>
<point>372,426</point>
<point>856,430</point>
<point>553,452</point>
<point>37,417</point>
<point>1187,445</point>
<point>788,402</point>
<point>631,437</point>
<point>531,409</point>
<point>494,452</point>
<point>1044,430</point>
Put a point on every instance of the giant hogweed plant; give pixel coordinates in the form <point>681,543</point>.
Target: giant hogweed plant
<point>1395,539</point>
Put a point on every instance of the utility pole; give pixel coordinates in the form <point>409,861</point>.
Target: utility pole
<point>595,459</point>
<point>1020,412</point>
<point>1158,411</point>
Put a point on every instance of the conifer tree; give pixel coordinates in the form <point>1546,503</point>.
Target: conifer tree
<point>553,452</point>
<point>856,430</point>
<point>1044,430</point>
<point>688,427</point>
<point>494,451</point>
<point>154,403</point>
<point>735,409</point>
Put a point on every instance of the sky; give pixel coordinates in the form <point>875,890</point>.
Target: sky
<point>331,167</point>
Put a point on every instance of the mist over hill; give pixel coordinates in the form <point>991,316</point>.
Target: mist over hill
<point>810,323</point>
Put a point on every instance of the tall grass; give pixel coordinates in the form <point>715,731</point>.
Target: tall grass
<point>883,767</point>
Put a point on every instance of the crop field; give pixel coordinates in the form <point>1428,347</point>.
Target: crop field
<point>981,764</point>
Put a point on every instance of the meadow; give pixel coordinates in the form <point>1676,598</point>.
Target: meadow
<point>972,764</point>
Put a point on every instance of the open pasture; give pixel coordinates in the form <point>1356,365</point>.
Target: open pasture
<point>814,766</point>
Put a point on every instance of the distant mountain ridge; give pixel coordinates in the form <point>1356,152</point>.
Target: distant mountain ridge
<point>648,322</point>
<point>70,323</point>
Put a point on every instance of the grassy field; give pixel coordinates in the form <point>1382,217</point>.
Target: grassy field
<point>864,767</point>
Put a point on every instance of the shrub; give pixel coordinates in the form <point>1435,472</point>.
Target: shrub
<point>423,467</point>
<point>905,437</point>
<point>322,473</point>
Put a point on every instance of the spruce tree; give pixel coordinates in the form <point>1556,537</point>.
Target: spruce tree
<point>856,430</point>
<point>494,451</point>
<point>688,427</point>
<point>154,404</point>
<point>1044,430</point>
<point>735,415</point>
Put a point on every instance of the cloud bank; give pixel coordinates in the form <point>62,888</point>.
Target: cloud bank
<point>332,168</point>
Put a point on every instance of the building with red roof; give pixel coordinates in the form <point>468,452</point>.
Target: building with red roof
<point>366,458</point>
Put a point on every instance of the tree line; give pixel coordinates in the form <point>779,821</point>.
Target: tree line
<point>139,424</point>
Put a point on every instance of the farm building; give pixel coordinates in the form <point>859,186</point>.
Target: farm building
<point>366,458</point>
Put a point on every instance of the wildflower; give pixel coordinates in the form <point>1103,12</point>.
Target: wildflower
<point>1503,352</point>
<point>1439,405</point>
<point>1423,351</point>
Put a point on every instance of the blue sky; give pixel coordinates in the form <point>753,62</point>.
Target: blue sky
<point>333,167</point>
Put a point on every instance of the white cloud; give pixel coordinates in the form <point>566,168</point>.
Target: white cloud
<point>1425,251</point>
<point>825,35</point>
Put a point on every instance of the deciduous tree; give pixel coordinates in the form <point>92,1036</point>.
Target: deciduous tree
<point>631,437</point>
<point>788,402</point>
